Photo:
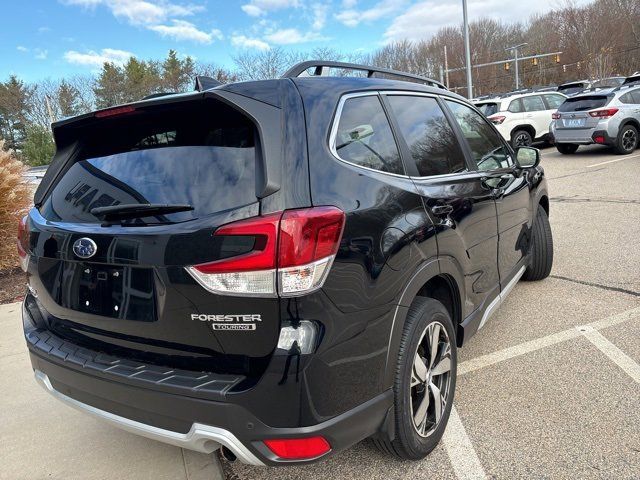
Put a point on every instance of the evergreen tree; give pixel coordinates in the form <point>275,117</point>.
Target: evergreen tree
<point>68,99</point>
<point>177,74</point>
<point>14,108</point>
<point>38,147</point>
<point>110,86</point>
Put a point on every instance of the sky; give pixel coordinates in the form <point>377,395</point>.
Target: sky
<point>56,38</point>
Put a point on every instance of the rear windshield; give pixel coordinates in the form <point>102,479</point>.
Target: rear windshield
<point>583,103</point>
<point>202,154</point>
<point>488,108</point>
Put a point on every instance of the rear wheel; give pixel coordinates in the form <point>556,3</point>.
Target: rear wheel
<point>567,148</point>
<point>627,140</point>
<point>425,381</point>
<point>521,138</point>
<point>541,256</point>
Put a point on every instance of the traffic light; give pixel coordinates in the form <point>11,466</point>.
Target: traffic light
<point>507,66</point>
<point>557,58</point>
<point>534,61</point>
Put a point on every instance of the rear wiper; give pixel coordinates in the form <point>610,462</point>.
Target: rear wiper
<point>137,210</point>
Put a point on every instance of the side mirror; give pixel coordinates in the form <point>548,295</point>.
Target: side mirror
<point>527,157</point>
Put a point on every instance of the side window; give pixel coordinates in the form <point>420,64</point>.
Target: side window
<point>533,104</point>
<point>431,140</point>
<point>626,98</point>
<point>554,101</point>
<point>636,96</point>
<point>364,136</point>
<point>516,106</point>
<point>488,149</point>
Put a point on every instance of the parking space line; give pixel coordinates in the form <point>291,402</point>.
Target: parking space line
<point>626,157</point>
<point>462,455</point>
<point>537,344</point>
<point>617,356</point>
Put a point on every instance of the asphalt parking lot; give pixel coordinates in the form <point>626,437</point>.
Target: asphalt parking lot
<point>549,388</point>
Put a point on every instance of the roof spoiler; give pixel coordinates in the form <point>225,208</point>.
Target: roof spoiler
<point>205,83</point>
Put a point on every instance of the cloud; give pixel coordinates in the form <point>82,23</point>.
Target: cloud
<point>320,11</point>
<point>183,30</point>
<point>96,59</point>
<point>140,12</point>
<point>41,54</point>
<point>242,41</point>
<point>256,8</point>
<point>424,18</point>
<point>22,48</point>
<point>352,17</point>
<point>290,36</point>
<point>44,29</point>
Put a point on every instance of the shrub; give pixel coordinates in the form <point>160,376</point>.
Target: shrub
<point>15,198</point>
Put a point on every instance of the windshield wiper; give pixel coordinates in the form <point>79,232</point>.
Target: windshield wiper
<point>137,210</point>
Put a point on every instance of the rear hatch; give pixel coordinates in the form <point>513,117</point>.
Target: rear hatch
<point>132,295</point>
<point>574,112</point>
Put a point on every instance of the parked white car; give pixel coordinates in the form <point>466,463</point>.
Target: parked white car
<point>522,118</point>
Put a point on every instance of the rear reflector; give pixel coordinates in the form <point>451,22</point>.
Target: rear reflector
<point>605,113</point>
<point>299,448</point>
<point>112,112</point>
<point>292,254</point>
<point>599,139</point>
<point>23,242</point>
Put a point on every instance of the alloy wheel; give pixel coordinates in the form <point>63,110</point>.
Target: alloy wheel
<point>430,379</point>
<point>522,140</point>
<point>629,139</point>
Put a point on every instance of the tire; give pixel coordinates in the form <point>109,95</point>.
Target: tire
<point>541,256</point>
<point>567,148</point>
<point>521,138</point>
<point>426,319</point>
<point>627,140</point>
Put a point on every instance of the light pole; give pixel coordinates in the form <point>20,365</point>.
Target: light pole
<point>467,51</point>
<point>515,51</point>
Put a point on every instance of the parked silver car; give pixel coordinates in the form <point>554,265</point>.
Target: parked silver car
<point>608,117</point>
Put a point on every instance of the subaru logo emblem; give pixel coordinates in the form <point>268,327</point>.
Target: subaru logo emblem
<point>85,247</point>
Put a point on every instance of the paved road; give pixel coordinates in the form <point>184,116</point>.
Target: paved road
<point>550,388</point>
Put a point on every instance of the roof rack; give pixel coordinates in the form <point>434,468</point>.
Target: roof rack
<point>320,65</point>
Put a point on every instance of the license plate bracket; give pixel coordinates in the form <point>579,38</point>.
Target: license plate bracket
<point>111,291</point>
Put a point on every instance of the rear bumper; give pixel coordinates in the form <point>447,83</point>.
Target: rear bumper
<point>187,418</point>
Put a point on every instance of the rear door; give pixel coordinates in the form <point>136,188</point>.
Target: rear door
<point>455,197</point>
<point>131,293</point>
<point>536,114</point>
<point>494,163</point>
<point>574,113</point>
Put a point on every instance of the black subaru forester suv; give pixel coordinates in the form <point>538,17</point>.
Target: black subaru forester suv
<point>278,268</point>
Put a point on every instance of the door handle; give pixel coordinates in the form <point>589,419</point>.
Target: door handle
<point>442,210</point>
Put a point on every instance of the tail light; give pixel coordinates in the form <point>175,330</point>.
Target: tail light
<point>299,448</point>
<point>605,113</point>
<point>114,112</point>
<point>292,254</point>
<point>23,242</point>
<point>496,119</point>
<point>555,116</point>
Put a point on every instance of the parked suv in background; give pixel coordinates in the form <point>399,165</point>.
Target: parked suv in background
<point>522,118</point>
<point>610,117</point>
<point>281,268</point>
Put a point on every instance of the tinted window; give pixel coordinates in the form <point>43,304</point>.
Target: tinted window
<point>636,96</point>
<point>554,101</point>
<point>202,155</point>
<point>487,108</point>
<point>431,140</point>
<point>485,143</point>
<point>364,136</point>
<point>533,104</point>
<point>516,106</point>
<point>578,104</point>
<point>626,98</point>
<point>571,88</point>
